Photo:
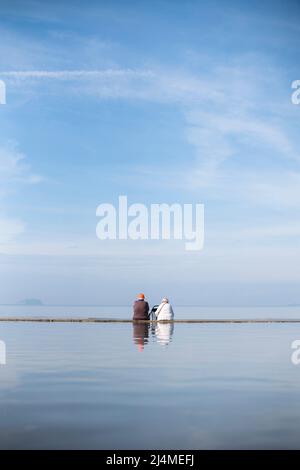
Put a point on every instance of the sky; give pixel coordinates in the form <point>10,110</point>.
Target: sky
<point>165,102</point>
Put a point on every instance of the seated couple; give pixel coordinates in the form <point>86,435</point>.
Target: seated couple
<point>164,311</point>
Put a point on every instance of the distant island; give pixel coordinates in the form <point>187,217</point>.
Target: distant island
<point>30,302</point>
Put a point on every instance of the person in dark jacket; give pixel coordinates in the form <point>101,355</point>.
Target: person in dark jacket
<point>140,308</point>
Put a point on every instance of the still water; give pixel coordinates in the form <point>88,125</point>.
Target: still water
<point>181,312</point>
<point>120,386</point>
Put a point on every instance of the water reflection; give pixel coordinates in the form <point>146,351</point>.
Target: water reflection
<point>164,332</point>
<point>84,387</point>
<point>161,332</point>
<point>140,334</point>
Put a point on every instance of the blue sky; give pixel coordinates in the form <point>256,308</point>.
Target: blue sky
<point>164,101</point>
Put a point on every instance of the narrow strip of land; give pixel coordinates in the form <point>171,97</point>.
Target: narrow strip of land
<point>121,320</point>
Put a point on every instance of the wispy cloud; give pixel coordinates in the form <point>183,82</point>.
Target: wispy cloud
<point>14,168</point>
<point>222,111</point>
<point>156,85</point>
<point>14,171</point>
<point>229,121</point>
<point>78,74</point>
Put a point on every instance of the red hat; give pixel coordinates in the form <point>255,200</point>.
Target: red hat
<point>141,296</point>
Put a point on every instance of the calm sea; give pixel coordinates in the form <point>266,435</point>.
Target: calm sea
<point>120,386</point>
<point>125,312</point>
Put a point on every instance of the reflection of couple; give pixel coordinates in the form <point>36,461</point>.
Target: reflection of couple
<point>163,333</point>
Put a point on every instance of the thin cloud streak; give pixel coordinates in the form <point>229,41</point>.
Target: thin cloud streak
<point>78,74</point>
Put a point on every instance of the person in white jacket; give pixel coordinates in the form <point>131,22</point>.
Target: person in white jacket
<point>164,311</point>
